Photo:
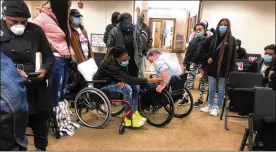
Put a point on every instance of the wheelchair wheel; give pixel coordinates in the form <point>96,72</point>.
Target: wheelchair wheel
<point>93,108</point>
<point>182,110</point>
<point>158,108</point>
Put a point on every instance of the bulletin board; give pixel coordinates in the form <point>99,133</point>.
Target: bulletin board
<point>97,40</point>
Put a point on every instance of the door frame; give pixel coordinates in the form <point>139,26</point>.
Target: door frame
<point>174,23</point>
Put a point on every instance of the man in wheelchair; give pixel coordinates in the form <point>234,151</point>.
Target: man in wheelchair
<point>165,68</point>
<point>114,70</point>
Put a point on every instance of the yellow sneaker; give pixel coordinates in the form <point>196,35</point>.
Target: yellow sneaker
<point>138,121</point>
<point>127,122</point>
<point>137,114</point>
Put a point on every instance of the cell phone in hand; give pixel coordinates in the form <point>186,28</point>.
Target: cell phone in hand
<point>33,75</point>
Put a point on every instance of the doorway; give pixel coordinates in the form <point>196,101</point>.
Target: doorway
<point>163,33</point>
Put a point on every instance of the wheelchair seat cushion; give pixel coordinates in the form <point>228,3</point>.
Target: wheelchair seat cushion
<point>113,95</point>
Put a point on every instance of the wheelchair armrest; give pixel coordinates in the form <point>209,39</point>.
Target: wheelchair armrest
<point>97,81</point>
<point>262,88</point>
<point>243,89</point>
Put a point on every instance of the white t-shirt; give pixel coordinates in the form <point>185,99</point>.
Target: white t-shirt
<point>84,42</point>
<point>263,69</point>
<point>164,63</point>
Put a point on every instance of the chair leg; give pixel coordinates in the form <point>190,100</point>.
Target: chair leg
<point>250,134</point>
<point>244,139</point>
<point>222,109</point>
<point>226,118</point>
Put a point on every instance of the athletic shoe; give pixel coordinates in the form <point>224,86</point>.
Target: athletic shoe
<point>206,109</point>
<point>184,102</point>
<point>139,117</point>
<point>199,103</point>
<point>215,111</point>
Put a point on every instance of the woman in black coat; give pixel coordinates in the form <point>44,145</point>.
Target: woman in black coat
<point>218,52</point>
<point>20,40</point>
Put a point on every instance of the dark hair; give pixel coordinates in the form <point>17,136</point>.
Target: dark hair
<point>60,9</point>
<point>200,24</point>
<point>114,17</point>
<point>212,30</point>
<point>238,42</point>
<point>142,14</point>
<point>115,53</point>
<point>271,47</point>
<point>227,37</point>
<point>153,52</point>
<point>125,17</point>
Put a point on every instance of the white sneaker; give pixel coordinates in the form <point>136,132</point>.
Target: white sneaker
<point>215,111</point>
<point>206,109</point>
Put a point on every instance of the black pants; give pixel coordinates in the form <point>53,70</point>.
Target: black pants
<point>133,69</point>
<point>39,125</point>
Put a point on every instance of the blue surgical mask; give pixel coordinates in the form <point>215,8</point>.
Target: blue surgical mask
<point>267,58</point>
<point>201,34</point>
<point>126,27</point>
<point>124,64</point>
<point>222,29</point>
<point>77,20</point>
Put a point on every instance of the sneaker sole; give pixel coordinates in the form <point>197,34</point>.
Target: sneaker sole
<point>182,104</point>
<point>197,106</point>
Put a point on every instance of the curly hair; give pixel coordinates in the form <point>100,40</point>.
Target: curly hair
<point>114,53</point>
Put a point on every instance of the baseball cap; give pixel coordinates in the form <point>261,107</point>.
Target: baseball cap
<point>75,13</point>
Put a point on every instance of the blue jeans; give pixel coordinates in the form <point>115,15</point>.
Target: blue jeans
<point>60,78</point>
<point>213,82</point>
<point>130,93</point>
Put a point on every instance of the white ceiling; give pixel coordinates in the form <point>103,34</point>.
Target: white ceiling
<point>174,4</point>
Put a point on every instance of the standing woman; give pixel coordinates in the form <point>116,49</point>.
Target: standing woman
<point>20,40</point>
<point>219,53</point>
<point>79,38</point>
<point>54,21</point>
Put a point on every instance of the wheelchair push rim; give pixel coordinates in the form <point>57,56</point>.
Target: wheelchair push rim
<point>182,110</point>
<point>157,110</point>
<point>95,101</point>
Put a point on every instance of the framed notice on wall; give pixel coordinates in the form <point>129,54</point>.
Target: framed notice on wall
<point>97,40</point>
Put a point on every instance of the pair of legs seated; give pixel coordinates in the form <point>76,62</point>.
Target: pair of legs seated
<point>131,94</point>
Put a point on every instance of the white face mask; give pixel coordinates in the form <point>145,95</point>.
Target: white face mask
<point>18,29</point>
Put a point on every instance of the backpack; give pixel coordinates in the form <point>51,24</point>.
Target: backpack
<point>13,107</point>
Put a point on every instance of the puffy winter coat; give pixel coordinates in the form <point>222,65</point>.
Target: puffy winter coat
<point>56,37</point>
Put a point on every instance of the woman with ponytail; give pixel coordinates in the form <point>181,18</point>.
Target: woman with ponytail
<point>54,20</point>
<point>113,69</point>
<point>218,52</point>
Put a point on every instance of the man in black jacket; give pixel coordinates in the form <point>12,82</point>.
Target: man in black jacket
<point>268,62</point>
<point>145,33</point>
<point>114,21</point>
<point>20,40</point>
<point>241,52</point>
<point>125,35</point>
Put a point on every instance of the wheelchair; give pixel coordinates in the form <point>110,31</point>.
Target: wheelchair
<point>104,104</point>
<point>177,90</point>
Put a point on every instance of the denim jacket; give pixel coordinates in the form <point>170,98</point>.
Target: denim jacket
<point>13,108</point>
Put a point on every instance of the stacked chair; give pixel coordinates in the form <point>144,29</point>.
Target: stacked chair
<point>240,93</point>
<point>261,130</point>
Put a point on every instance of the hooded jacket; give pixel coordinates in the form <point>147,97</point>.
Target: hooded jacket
<point>114,73</point>
<point>116,38</point>
<point>56,37</point>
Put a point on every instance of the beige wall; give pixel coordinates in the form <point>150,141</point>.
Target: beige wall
<point>96,14</point>
<point>253,22</point>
